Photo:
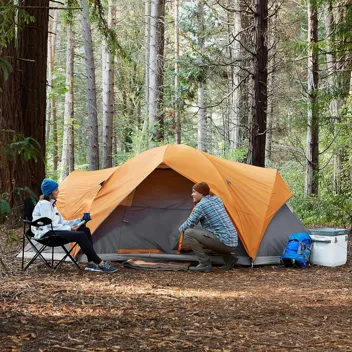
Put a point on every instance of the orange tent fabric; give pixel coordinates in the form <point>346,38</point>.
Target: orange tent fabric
<point>251,195</point>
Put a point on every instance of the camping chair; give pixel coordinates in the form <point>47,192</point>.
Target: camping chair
<point>52,240</point>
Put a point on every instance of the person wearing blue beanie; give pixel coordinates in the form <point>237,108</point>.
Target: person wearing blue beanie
<point>48,186</point>
<point>70,230</point>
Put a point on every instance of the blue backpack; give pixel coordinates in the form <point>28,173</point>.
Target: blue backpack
<point>297,251</point>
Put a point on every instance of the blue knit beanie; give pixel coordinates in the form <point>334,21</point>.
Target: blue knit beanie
<point>49,186</point>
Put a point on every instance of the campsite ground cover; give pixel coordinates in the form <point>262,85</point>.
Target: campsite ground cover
<point>261,309</point>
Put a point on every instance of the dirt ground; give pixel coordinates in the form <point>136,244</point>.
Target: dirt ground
<point>261,309</point>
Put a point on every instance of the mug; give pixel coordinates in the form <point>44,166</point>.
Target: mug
<point>86,216</point>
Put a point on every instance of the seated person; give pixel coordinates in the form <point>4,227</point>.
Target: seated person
<point>218,232</point>
<point>66,229</point>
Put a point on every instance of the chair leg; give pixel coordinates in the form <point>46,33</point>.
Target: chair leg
<point>68,254</point>
<point>23,247</point>
<point>38,254</point>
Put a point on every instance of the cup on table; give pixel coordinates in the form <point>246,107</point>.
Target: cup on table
<point>86,216</point>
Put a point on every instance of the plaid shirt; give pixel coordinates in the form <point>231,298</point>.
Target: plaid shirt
<point>211,213</point>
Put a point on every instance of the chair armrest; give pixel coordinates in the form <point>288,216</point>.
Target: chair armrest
<point>41,222</point>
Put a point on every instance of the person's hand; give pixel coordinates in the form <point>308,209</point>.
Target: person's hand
<point>74,228</point>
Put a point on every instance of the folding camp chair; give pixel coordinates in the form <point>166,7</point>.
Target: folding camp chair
<point>52,240</point>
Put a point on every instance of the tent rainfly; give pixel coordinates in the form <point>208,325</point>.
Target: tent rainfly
<point>136,208</point>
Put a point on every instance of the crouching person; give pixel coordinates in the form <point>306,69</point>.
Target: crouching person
<point>217,233</point>
<point>66,229</point>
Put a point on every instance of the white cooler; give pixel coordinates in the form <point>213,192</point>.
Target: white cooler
<point>329,246</point>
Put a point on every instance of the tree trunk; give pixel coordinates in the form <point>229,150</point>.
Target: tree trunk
<point>201,99</point>
<point>108,94</point>
<point>144,139</point>
<point>257,135</point>
<point>201,117</point>
<point>67,159</point>
<point>312,148</point>
<point>244,100</point>
<point>177,116</point>
<point>230,111</point>
<point>52,48</point>
<point>156,70</point>
<point>10,118</point>
<point>271,86</point>
<point>23,100</point>
<point>331,68</point>
<point>236,78</point>
<point>91,89</point>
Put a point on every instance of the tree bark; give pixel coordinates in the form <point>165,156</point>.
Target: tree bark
<point>201,117</point>
<point>201,83</point>
<point>144,138</point>
<point>156,71</point>
<point>67,160</point>
<point>108,94</point>
<point>236,58</point>
<point>23,101</point>
<point>257,135</point>
<point>91,89</point>
<point>177,72</point>
<point>312,148</point>
<point>245,101</point>
<point>271,86</point>
<point>52,100</point>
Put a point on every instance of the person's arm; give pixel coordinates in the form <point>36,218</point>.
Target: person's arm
<point>193,219</point>
<point>74,222</point>
<point>55,216</point>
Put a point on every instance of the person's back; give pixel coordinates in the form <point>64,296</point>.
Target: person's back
<point>216,220</point>
<point>218,232</point>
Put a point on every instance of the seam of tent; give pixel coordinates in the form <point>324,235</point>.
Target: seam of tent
<point>231,196</point>
<point>267,210</point>
<point>128,193</point>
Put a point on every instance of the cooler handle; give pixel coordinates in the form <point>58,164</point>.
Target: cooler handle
<point>321,241</point>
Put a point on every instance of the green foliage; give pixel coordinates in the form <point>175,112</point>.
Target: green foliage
<point>5,208</point>
<point>25,192</point>
<point>97,15</point>
<point>8,12</point>
<point>327,209</point>
<point>6,68</point>
<point>8,29</point>
<point>12,19</point>
<point>28,147</point>
<point>238,154</point>
<point>59,89</point>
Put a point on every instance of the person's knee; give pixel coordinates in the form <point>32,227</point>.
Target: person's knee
<point>188,239</point>
<point>189,233</point>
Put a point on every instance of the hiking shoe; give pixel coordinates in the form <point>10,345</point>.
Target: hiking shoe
<point>229,264</point>
<point>202,268</point>
<point>106,267</point>
<point>93,267</point>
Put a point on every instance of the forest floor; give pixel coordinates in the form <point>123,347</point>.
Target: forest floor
<point>246,309</point>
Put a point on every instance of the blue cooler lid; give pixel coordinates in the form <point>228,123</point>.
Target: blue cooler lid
<point>327,231</point>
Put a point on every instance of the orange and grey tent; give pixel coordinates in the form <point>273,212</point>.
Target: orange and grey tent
<point>136,208</point>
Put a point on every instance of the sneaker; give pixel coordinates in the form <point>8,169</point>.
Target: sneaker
<point>202,268</point>
<point>93,267</point>
<point>106,267</point>
<point>229,264</point>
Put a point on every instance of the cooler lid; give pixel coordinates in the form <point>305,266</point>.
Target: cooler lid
<point>327,231</point>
